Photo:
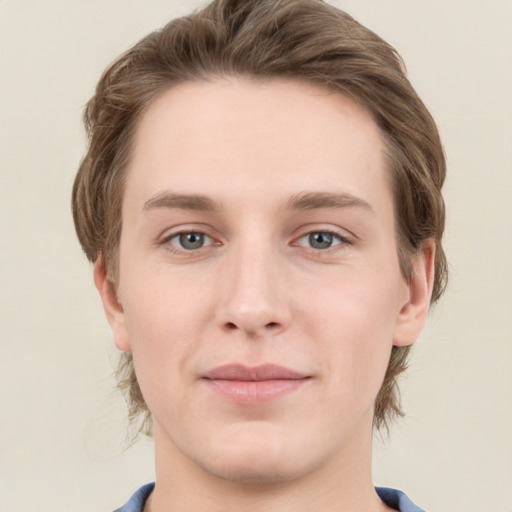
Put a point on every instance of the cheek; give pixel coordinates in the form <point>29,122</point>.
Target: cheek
<point>162,306</point>
<point>164,324</point>
<point>354,323</point>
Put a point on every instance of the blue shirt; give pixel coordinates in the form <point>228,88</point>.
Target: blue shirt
<point>391,497</point>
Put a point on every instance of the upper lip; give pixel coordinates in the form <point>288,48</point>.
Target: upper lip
<point>253,373</point>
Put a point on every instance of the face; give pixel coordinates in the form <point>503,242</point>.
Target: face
<point>259,286</point>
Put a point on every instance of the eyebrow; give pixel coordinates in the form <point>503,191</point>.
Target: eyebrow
<point>317,200</point>
<point>195,202</point>
<point>301,201</point>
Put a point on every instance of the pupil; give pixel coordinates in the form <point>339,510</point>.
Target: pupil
<point>191,241</point>
<point>320,240</point>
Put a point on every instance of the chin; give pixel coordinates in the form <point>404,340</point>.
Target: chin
<point>251,470</point>
<point>256,456</point>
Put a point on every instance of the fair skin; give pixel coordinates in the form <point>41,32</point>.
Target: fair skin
<point>258,229</point>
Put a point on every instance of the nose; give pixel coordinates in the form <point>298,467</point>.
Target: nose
<point>253,292</point>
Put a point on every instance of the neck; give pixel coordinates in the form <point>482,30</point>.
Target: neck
<point>343,484</point>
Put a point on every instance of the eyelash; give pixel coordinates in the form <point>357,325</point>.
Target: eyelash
<point>167,241</point>
<point>341,241</point>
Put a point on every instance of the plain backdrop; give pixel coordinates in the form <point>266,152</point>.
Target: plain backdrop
<point>63,427</point>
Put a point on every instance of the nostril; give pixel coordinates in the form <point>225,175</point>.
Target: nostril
<point>231,326</point>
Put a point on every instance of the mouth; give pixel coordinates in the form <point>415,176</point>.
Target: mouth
<point>254,385</point>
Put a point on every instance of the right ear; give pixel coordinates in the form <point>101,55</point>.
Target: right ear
<point>113,308</point>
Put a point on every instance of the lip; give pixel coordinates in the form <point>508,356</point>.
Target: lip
<point>254,385</point>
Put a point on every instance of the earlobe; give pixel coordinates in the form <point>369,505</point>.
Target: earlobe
<point>413,314</point>
<point>113,308</point>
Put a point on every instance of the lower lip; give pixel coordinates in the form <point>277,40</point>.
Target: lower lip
<point>255,392</point>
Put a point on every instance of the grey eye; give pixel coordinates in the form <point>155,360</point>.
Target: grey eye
<point>190,241</point>
<point>319,240</point>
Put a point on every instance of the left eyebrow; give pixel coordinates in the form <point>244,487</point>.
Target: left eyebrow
<point>317,200</point>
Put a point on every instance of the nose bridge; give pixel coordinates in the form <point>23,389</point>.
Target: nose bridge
<point>253,299</point>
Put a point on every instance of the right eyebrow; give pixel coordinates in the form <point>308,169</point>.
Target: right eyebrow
<point>182,201</point>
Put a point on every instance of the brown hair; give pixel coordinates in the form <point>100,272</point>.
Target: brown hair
<point>305,40</point>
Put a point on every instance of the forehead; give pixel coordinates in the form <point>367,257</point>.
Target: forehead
<point>274,137</point>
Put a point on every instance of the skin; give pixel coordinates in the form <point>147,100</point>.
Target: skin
<point>262,156</point>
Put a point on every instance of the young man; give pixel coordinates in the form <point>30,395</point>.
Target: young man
<point>261,201</point>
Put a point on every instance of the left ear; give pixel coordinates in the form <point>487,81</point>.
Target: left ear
<point>413,314</point>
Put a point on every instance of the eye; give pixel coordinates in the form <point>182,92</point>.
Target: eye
<point>320,240</point>
<point>190,241</point>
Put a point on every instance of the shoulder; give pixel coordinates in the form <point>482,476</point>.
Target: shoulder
<point>136,502</point>
<point>397,500</point>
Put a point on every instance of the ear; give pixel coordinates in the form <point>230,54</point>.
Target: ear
<point>413,314</point>
<point>111,305</point>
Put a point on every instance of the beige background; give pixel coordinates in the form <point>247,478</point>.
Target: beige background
<point>62,428</point>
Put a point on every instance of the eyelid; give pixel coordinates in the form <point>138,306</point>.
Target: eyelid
<point>179,234</point>
<point>178,229</point>
<point>342,233</point>
<point>340,238</point>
